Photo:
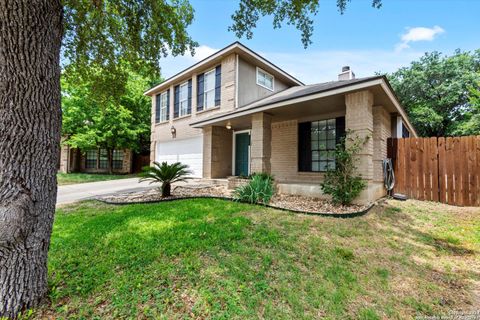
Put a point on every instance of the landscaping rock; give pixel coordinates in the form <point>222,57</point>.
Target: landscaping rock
<point>283,201</point>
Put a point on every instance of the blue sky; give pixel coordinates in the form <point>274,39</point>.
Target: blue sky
<point>365,38</point>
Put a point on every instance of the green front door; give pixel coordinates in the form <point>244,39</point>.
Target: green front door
<point>242,142</point>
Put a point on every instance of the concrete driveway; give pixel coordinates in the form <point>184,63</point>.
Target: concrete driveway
<point>82,191</point>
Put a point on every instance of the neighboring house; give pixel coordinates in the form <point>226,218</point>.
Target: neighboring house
<point>235,113</point>
<point>94,161</point>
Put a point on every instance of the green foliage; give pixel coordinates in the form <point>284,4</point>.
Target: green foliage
<point>471,125</point>
<point>436,92</point>
<point>102,35</point>
<point>343,183</point>
<point>295,12</point>
<point>93,119</point>
<point>166,174</point>
<point>96,119</point>
<point>258,190</point>
<point>263,175</point>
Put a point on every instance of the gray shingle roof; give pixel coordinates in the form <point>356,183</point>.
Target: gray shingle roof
<point>300,91</point>
<point>292,93</point>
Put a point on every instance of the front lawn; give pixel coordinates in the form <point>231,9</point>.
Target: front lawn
<point>208,258</point>
<point>74,178</point>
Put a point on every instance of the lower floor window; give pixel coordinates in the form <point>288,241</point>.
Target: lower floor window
<point>91,159</point>
<point>117,159</point>
<point>103,162</point>
<point>317,141</point>
<point>98,159</point>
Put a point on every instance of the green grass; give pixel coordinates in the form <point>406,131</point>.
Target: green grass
<point>214,259</point>
<point>73,178</point>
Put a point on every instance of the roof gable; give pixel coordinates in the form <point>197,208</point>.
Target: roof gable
<point>235,47</point>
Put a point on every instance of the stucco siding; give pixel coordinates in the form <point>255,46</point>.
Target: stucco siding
<point>248,89</point>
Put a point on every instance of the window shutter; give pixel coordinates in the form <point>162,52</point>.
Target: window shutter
<point>339,129</point>
<point>200,89</point>
<point>168,104</point>
<point>304,147</point>
<point>218,84</point>
<point>189,105</point>
<point>157,108</point>
<point>176,102</point>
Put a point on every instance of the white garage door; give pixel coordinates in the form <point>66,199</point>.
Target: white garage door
<point>186,151</point>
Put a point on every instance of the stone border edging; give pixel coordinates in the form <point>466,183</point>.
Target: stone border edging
<point>323,214</point>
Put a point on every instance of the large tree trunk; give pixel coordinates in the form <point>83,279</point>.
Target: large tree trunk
<point>30,119</point>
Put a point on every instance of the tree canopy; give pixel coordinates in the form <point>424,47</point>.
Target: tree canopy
<point>471,125</point>
<point>298,13</point>
<point>93,119</point>
<point>437,92</point>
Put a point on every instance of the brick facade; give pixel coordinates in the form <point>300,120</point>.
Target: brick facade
<point>161,132</point>
<point>261,138</point>
<point>217,152</point>
<point>381,132</point>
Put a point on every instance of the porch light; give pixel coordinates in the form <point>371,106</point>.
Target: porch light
<point>229,125</point>
<point>174,132</point>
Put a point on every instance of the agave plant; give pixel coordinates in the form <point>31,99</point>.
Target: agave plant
<point>166,174</point>
<point>259,189</point>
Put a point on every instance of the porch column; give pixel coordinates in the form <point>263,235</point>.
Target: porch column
<point>359,119</point>
<point>217,152</point>
<point>207,152</point>
<point>260,143</point>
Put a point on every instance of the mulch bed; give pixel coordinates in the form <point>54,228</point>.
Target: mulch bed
<point>299,204</point>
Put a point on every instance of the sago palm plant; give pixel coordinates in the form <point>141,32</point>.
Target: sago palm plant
<point>166,174</point>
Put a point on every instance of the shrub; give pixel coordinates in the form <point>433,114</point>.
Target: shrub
<point>166,174</point>
<point>263,175</point>
<point>258,190</point>
<point>342,182</point>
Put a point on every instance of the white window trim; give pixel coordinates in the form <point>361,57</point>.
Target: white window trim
<point>205,107</point>
<point>163,107</point>
<point>180,114</point>
<point>271,75</point>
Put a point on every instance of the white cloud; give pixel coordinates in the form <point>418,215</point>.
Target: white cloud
<point>203,52</point>
<point>418,34</point>
<point>172,65</point>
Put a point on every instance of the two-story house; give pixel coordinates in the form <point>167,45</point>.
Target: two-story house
<point>235,113</point>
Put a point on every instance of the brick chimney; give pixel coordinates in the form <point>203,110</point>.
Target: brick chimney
<point>346,74</point>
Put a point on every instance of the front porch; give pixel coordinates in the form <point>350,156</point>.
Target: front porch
<point>272,141</point>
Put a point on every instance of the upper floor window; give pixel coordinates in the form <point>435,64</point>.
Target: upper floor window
<point>209,89</point>
<point>183,99</point>
<point>182,105</point>
<point>265,79</point>
<point>161,112</point>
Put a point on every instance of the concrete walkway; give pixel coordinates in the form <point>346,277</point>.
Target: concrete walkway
<point>82,191</point>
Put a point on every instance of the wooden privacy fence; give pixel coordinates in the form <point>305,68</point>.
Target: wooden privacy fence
<point>437,169</point>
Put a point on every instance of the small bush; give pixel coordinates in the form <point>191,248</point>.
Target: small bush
<point>258,190</point>
<point>343,183</point>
